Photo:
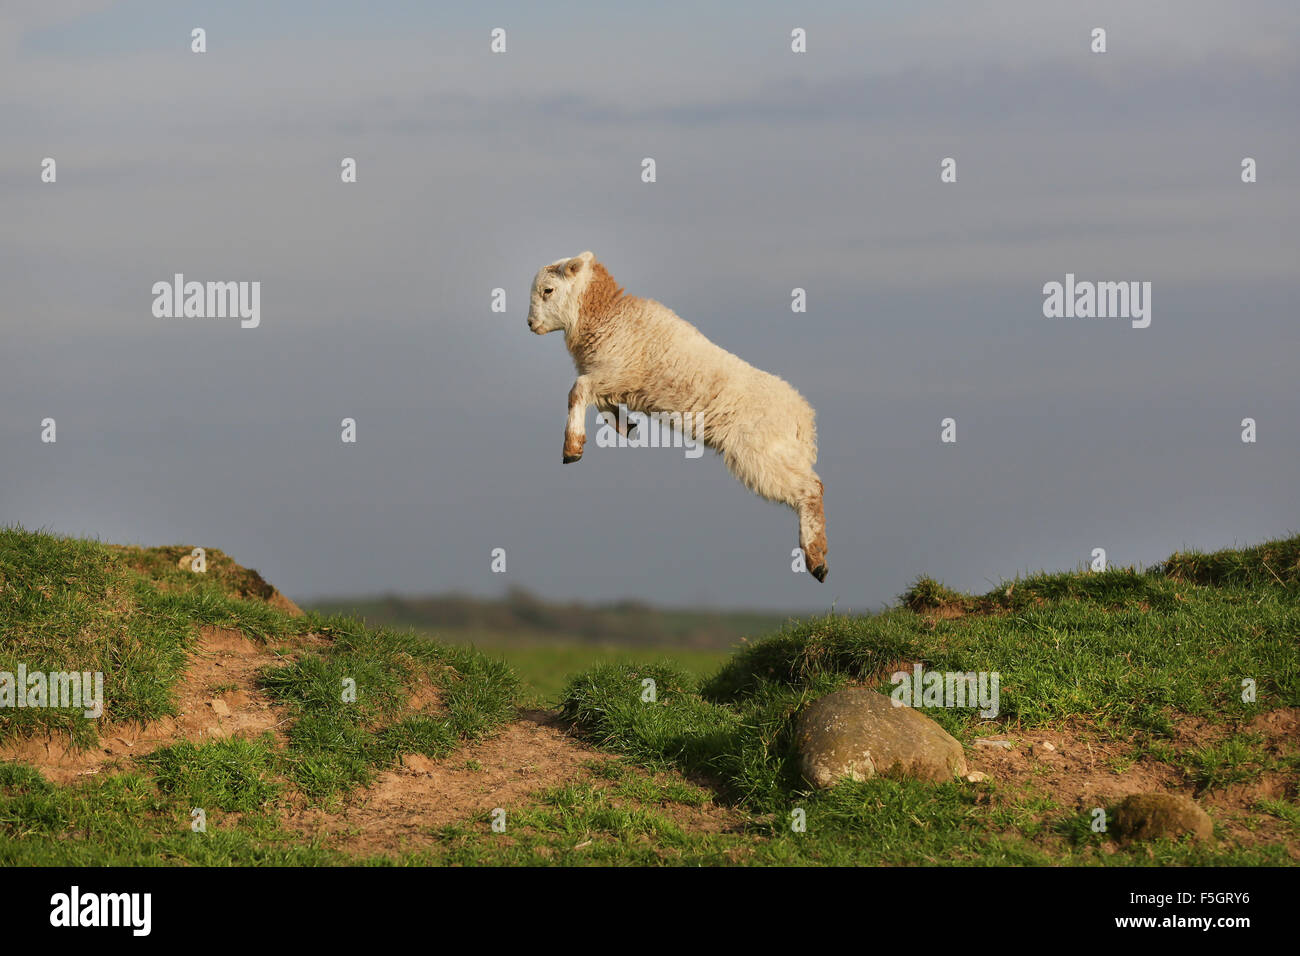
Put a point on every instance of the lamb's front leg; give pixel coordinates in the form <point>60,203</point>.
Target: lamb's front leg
<point>575,430</point>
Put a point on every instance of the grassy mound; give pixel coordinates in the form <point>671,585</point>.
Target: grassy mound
<point>353,701</point>
<point>1122,659</point>
<point>131,614</point>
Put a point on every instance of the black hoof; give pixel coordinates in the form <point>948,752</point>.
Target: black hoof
<point>820,572</point>
<point>570,459</point>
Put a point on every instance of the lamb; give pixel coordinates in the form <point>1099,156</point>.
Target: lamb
<point>638,353</point>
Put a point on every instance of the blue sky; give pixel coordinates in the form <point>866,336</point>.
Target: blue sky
<point>775,170</point>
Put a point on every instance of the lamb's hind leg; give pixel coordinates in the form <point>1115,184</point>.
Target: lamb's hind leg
<point>789,479</point>
<point>623,426</point>
<point>812,528</point>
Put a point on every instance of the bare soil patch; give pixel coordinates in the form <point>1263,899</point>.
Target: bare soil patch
<point>218,697</point>
<point>1080,772</point>
<point>404,809</point>
<point>1083,772</point>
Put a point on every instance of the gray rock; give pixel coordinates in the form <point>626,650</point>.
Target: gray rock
<point>993,744</point>
<point>1149,816</point>
<point>855,734</point>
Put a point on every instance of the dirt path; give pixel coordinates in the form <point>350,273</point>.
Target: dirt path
<point>405,807</point>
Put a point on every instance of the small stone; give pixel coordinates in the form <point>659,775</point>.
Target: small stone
<point>219,707</point>
<point>1049,746</point>
<point>1150,816</point>
<point>993,744</point>
<point>418,763</point>
<point>976,776</point>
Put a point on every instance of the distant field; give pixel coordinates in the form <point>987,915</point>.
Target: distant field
<point>545,664</point>
<point>530,619</point>
<point>547,642</point>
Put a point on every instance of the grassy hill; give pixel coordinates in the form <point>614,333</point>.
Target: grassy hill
<point>237,729</point>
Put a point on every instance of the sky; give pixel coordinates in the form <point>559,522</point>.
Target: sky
<point>775,170</point>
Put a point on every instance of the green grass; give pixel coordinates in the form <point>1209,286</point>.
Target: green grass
<point>124,820</point>
<point>544,665</point>
<point>1240,759</point>
<point>232,775</point>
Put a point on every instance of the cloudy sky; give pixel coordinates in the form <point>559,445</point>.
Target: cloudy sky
<point>775,170</point>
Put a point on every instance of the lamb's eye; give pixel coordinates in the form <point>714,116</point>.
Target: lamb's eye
<point>546,292</point>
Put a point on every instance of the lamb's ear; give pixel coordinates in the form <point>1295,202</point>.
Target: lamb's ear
<point>573,266</point>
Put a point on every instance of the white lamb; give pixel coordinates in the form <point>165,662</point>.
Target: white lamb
<point>640,354</point>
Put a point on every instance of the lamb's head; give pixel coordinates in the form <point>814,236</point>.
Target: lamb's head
<point>557,293</point>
